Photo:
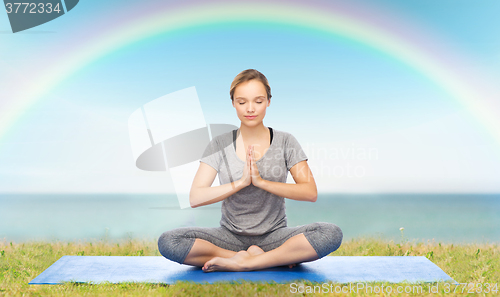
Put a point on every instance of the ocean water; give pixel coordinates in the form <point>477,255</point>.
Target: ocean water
<point>447,218</point>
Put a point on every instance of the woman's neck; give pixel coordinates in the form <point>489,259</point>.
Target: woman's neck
<point>254,133</point>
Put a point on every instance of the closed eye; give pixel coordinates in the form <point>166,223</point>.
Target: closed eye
<point>241,103</point>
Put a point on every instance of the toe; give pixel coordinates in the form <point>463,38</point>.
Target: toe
<point>207,266</point>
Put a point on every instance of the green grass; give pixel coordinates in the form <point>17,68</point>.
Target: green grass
<point>21,262</point>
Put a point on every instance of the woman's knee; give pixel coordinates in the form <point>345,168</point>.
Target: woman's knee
<point>174,244</point>
<point>336,233</point>
<point>165,243</point>
<point>331,236</point>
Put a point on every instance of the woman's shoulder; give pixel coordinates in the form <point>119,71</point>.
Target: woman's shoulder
<point>223,139</point>
<point>282,134</point>
<point>286,140</point>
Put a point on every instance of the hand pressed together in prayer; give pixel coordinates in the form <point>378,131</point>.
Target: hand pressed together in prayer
<point>251,172</point>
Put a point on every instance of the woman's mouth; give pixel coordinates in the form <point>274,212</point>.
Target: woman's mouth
<point>250,117</point>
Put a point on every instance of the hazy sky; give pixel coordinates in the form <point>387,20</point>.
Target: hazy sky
<point>368,121</point>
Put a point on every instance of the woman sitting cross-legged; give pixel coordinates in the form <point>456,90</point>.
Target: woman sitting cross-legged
<point>252,163</point>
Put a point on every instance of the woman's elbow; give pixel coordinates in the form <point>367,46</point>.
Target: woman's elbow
<point>192,200</point>
<point>194,204</point>
<point>313,195</point>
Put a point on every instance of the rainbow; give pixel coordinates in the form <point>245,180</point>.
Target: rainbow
<point>305,15</point>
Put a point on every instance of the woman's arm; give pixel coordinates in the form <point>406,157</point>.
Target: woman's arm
<point>202,192</point>
<point>304,188</point>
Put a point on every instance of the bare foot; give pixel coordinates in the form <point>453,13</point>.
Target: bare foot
<point>235,263</point>
<point>255,250</point>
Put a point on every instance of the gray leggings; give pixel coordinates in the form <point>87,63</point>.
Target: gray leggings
<point>176,244</point>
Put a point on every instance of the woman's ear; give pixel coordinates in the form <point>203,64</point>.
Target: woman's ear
<point>268,102</point>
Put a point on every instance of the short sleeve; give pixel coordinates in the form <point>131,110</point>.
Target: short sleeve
<point>293,152</point>
<point>212,155</point>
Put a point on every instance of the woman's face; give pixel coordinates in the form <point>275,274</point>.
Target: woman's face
<point>250,101</point>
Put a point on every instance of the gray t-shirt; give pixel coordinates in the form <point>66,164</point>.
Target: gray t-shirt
<point>253,211</point>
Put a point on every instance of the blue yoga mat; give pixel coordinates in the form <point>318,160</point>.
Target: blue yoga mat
<point>154,269</point>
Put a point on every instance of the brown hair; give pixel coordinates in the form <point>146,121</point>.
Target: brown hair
<point>247,75</point>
